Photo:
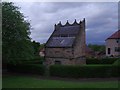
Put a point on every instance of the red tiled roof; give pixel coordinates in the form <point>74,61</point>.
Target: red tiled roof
<point>116,35</point>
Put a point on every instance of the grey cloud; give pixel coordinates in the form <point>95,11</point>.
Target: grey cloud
<point>101,18</point>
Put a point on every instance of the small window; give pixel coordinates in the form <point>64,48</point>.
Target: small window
<point>56,35</point>
<point>117,49</point>
<point>72,35</point>
<point>58,62</point>
<point>109,50</point>
<point>118,40</point>
<point>64,35</point>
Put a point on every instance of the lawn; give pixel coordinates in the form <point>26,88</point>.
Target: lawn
<point>35,82</point>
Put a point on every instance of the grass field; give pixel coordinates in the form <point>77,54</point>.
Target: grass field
<point>34,82</point>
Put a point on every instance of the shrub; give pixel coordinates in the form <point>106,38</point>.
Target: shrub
<point>86,71</point>
<point>115,71</point>
<point>27,68</point>
<point>38,60</point>
<point>100,61</point>
<point>32,62</point>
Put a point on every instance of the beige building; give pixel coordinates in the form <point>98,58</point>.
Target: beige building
<point>42,52</point>
<point>113,44</point>
<point>66,45</point>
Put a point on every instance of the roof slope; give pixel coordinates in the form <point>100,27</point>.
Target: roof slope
<point>61,42</point>
<point>64,35</point>
<point>71,30</point>
<point>116,35</point>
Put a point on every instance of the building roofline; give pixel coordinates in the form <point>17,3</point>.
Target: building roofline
<point>60,25</point>
<point>114,35</point>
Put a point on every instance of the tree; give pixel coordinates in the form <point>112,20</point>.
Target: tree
<point>36,46</point>
<point>16,42</point>
<point>97,47</point>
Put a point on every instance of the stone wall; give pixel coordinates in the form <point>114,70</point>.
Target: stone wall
<point>77,61</point>
<point>59,52</point>
<point>111,43</point>
<point>80,45</point>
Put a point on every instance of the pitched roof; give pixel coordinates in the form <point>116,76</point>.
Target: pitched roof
<point>70,30</point>
<point>64,35</point>
<point>115,35</point>
<point>61,42</point>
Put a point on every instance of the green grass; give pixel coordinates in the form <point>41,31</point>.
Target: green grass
<point>0,82</point>
<point>117,62</point>
<point>34,82</point>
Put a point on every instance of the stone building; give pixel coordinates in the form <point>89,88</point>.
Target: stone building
<point>113,44</point>
<point>89,52</point>
<point>66,44</point>
<point>42,52</point>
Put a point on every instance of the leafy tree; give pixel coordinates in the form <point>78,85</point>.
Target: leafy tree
<point>0,31</point>
<point>36,46</point>
<point>16,42</point>
<point>97,47</point>
<point>42,45</point>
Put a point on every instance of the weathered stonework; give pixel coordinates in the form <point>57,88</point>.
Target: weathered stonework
<point>67,54</point>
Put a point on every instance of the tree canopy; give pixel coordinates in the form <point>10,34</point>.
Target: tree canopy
<point>36,46</point>
<point>16,42</point>
<point>97,47</point>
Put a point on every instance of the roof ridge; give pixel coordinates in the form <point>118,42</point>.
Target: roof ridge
<point>115,35</point>
<point>68,24</point>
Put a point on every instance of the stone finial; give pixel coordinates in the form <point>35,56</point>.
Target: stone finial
<point>84,20</point>
<point>55,26</point>
<point>67,23</point>
<point>75,22</point>
<point>60,24</point>
<point>80,22</point>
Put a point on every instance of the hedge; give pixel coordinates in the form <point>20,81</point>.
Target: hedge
<point>32,62</point>
<point>100,61</point>
<point>117,62</point>
<point>86,71</point>
<point>27,68</point>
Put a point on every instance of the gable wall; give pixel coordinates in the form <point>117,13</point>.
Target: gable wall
<point>111,43</point>
<point>59,52</point>
<point>79,47</point>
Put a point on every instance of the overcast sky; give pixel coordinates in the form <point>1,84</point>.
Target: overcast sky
<point>101,18</point>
